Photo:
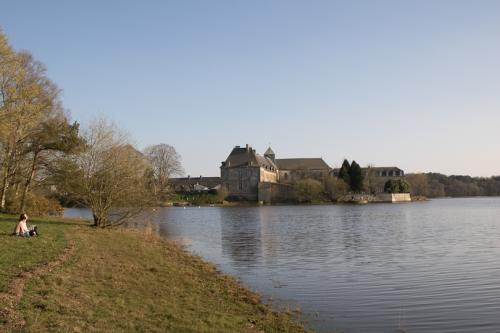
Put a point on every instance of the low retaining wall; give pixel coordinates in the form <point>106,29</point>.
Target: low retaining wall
<point>393,197</point>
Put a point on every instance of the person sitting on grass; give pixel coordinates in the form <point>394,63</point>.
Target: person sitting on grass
<point>21,227</point>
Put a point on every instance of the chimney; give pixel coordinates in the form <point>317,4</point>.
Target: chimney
<point>247,147</point>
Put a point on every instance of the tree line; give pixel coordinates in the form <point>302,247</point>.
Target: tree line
<point>435,185</point>
<point>46,159</point>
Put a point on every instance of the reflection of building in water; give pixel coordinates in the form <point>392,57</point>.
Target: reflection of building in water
<point>269,239</point>
<point>241,235</point>
<point>352,235</point>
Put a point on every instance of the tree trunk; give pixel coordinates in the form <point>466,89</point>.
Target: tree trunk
<point>8,170</point>
<point>99,220</point>
<point>96,220</point>
<point>5,182</point>
<point>5,185</point>
<point>28,182</point>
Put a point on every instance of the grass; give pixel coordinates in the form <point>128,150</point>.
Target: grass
<point>125,281</point>
<point>20,254</point>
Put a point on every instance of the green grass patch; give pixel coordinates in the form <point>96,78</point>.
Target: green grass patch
<point>18,254</point>
<point>125,281</point>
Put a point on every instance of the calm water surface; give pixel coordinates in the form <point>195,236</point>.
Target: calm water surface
<point>424,267</point>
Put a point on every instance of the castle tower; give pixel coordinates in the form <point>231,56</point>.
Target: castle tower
<point>270,154</point>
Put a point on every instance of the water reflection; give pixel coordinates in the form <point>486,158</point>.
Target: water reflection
<point>432,266</point>
<point>241,235</point>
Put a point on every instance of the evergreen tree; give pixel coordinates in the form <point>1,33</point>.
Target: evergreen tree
<point>391,186</point>
<point>356,177</point>
<point>404,187</point>
<point>396,186</point>
<point>344,172</point>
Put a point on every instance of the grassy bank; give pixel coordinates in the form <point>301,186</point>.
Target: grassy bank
<point>125,281</point>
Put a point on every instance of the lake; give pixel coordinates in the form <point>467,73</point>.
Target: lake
<point>423,267</point>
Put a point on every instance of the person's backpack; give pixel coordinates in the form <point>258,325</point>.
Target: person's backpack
<point>33,230</point>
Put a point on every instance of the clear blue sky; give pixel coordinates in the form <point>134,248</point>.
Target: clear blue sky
<point>413,84</point>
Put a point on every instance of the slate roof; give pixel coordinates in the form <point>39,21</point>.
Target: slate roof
<point>188,184</point>
<point>392,168</point>
<point>265,161</point>
<point>248,157</point>
<point>195,179</point>
<point>301,164</point>
<point>377,169</point>
<point>269,151</point>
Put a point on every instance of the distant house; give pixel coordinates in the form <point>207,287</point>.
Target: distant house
<point>384,172</point>
<point>389,172</point>
<point>194,184</point>
<point>375,177</point>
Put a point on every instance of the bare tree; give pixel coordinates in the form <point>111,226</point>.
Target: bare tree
<point>371,182</point>
<point>419,184</point>
<point>335,187</point>
<point>108,177</point>
<point>165,162</point>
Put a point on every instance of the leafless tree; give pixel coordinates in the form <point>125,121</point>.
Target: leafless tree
<point>165,163</point>
<point>108,176</point>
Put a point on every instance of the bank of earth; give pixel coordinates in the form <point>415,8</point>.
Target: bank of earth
<point>75,278</point>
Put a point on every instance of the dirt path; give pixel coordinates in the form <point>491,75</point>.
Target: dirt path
<point>10,319</point>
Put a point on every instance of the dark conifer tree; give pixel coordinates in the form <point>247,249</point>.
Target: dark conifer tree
<point>356,177</point>
<point>344,172</point>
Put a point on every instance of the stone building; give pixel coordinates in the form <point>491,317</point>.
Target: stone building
<point>382,172</point>
<point>249,176</point>
<point>245,172</point>
<point>293,169</point>
<point>375,177</point>
<point>387,172</point>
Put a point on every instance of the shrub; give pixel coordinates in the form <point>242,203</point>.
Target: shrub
<point>308,190</point>
<point>36,204</point>
<point>336,188</point>
<point>396,186</point>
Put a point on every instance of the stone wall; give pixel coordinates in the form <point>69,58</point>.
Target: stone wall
<point>241,182</point>
<point>290,176</point>
<point>268,176</point>
<point>276,193</point>
<point>393,197</point>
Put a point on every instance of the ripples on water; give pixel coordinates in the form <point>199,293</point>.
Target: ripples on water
<point>425,267</point>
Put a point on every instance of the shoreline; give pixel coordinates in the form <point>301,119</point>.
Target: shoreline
<point>131,280</point>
